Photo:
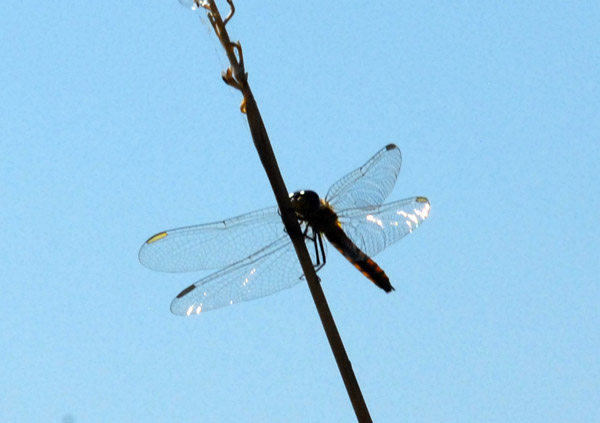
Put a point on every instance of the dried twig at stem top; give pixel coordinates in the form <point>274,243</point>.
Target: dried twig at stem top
<point>235,75</point>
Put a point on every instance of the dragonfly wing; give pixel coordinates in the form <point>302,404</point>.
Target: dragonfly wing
<point>212,245</point>
<point>373,229</point>
<point>370,184</point>
<point>271,269</point>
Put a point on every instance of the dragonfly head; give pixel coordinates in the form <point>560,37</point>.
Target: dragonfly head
<point>305,203</point>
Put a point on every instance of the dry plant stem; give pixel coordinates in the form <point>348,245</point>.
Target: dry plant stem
<point>236,76</point>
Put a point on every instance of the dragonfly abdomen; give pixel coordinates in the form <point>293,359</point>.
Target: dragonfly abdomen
<point>360,260</point>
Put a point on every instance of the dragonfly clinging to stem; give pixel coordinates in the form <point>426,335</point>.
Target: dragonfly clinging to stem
<point>256,255</point>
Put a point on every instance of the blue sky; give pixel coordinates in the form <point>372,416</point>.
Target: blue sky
<point>115,124</point>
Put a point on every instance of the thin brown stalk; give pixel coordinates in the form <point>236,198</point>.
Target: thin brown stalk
<point>237,77</point>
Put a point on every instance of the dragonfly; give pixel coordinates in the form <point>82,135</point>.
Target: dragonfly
<point>255,255</point>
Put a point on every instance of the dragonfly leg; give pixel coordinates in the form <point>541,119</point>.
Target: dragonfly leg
<point>319,252</point>
<point>322,248</point>
<point>317,241</point>
<point>313,238</point>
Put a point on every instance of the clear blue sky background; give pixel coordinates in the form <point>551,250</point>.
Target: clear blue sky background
<point>115,124</point>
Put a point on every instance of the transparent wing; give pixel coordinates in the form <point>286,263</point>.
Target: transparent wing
<point>369,185</point>
<point>274,268</point>
<point>212,245</point>
<point>373,229</point>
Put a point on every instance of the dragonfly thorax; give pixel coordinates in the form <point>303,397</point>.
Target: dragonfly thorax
<point>313,210</point>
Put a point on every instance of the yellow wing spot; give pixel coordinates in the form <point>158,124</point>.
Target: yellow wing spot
<point>156,237</point>
<point>421,200</point>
